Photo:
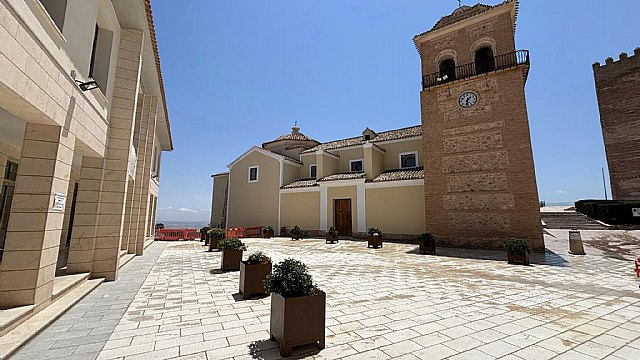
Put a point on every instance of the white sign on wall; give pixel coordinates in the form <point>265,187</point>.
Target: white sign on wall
<point>59,201</point>
<point>635,212</point>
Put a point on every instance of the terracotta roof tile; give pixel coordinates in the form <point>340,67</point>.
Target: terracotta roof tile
<point>343,176</point>
<point>396,134</point>
<point>154,45</point>
<point>301,183</point>
<point>401,174</point>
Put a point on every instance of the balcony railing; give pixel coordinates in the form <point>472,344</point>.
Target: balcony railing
<point>500,62</point>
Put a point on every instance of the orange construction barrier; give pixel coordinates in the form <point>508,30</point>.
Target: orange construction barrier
<point>191,234</point>
<point>170,234</point>
<point>234,233</point>
<point>253,231</point>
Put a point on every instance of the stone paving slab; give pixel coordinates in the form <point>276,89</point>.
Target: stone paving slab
<point>388,303</point>
<point>82,332</point>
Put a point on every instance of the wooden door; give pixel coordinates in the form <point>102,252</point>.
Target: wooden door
<point>342,221</point>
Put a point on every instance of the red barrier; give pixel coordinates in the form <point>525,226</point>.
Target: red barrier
<point>253,231</point>
<point>637,270</point>
<point>170,234</point>
<point>234,233</point>
<point>191,234</point>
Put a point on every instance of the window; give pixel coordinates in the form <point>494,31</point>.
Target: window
<point>408,159</point>
<point>312,171</point>
<point>484,60</point>
<point>356,165</point>
<point>253,174</point>
<point>367,137</point>
<point>57,10</point>
<point>101,57</point>
<point>448,70</point>
<point>11,171</point>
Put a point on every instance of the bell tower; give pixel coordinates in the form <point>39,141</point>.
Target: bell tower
<point>480,184</point>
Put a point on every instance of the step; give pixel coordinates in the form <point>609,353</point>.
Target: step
<point>66,283</point>
<point>21,334</point>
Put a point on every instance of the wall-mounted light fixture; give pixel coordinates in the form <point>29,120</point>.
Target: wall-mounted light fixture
<point>88,85</point>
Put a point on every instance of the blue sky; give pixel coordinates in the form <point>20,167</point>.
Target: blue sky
<point>238,73</point>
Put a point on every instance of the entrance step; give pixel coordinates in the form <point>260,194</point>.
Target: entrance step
<point>20,334</point>
<point>570,220</point>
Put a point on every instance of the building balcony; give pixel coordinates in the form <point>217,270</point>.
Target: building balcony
<point>500,62</point>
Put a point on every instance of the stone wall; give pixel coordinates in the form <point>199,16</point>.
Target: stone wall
<point>617,86</point>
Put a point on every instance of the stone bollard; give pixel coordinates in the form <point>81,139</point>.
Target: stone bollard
<point>575,243</point>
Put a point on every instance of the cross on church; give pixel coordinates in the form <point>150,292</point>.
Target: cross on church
<point>459,3</point>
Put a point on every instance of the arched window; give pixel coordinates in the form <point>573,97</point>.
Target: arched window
<point>484,60</point>
<point>448,70</point>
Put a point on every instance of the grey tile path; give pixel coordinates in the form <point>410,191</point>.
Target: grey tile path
<point>391,303</point>
<point>82,332</point>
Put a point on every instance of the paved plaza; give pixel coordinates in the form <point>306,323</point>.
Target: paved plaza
<point>389,303</point>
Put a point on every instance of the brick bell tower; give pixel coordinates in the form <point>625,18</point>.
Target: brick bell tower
<point>480,184</point>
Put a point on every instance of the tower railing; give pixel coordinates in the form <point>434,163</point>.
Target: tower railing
<point>500,62</point>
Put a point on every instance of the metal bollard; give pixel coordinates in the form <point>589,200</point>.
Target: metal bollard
<point>575,243</point>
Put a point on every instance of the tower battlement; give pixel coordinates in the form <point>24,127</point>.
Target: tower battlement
<point>623,58</point>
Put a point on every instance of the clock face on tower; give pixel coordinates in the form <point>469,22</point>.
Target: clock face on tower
<point>468,99</point>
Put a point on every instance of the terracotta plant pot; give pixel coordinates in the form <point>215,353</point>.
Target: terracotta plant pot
<point>268,233</point>
<point>230,259</point>
<point>517,259</point>
<point>296,236</point>
<point>374,241</point>
<point>297,321</point>
<point>331,239</point>
<point>213,243</point>
<point>206,238</point>
<point>252,278</point>
<point>427,247</point>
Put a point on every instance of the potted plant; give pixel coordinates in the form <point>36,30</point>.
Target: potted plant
<point>253,273</point>
<point>297,307</point>
<point>427,244</point>
<point>297,233</point>
<point>204,235</point>
<point>215,235</point>
<point>374,238</point>
<point>332,235</point>
<point>267,232</point>
<point>232,249</point>
<point>518,251</point>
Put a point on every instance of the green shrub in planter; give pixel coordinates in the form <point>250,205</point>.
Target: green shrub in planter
<point>374,232</point>
<point>298,307</point>
<point>258,257</point>
<point>297,232</point>
<point>231,244</point>
<point>518,251</point>
<point>216,233</point>
<point>290,278</point>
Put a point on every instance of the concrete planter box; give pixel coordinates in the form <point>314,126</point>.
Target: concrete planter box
<point>268,233</point>
<point>331,239</point>
<point>297,321</point>
<point>427,247</point>
<point>230,259</point>
<point>374,241</point>
<point>517,259</point>
<point>252,278</point>
<point>213,243</point>
<point>296,236</point>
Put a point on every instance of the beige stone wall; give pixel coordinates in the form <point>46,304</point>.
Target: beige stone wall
<point>291,172</point>
<point>343,192</point>
<point>300,208</point>
<point>256,203</point>
<point>220,183</point>
<point>396,210</point>
<point>307,160</point>
<point>346,155</point>
<point>393,150</point>
<point>327,165</point>
<point>36,84</point>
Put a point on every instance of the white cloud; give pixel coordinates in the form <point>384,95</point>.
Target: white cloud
<point>562,191</point>
<point>188,210</point>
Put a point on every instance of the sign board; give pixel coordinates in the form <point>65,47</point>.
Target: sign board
<point>635,212</point>
<point>59,201</point>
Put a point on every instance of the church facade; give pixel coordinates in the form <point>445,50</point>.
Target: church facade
<point>465,174</point>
